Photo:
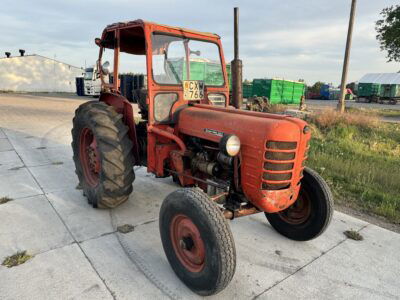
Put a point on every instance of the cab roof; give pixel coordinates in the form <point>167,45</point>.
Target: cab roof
<point>140,22</point>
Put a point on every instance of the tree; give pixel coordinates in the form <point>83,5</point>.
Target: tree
<point>388,30</point>
<point>316,88</point>
<point>246,81</point>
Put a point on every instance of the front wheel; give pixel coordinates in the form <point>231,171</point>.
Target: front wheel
<point>310,215</point>
<point>197,241</point>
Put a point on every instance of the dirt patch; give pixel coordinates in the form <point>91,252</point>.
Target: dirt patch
<point>125,228</point>
<point>17,259</point>
<point>354,235</point>
<point>40,148</point>
<point>57,163</point>
<point>15,168</point>
<point>5,199</point>
<point>370,218</point>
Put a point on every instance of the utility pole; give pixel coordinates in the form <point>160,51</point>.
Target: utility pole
<point>341,105</point>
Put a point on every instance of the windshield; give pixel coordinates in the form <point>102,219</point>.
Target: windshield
<point>88,74</point>
<point>171,55</point>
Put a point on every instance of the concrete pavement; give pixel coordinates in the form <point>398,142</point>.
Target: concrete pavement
<point>78,254</point>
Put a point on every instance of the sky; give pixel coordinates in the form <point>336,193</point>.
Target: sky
<point>292,39</point>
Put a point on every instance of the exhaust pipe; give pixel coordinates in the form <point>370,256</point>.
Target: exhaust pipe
<point>8,54</point>
<point>236,65</point>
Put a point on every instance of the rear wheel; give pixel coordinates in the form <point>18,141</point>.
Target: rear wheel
<point>102,154</point>
<point>310,215</point>
<point>197,241</point>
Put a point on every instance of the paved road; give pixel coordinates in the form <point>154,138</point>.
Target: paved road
<point>333,103</point>
<point>78,254</point>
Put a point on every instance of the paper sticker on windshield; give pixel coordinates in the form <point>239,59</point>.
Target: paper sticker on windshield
<point>193,90</point>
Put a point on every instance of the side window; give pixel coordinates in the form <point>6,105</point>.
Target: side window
<point>108,56</point>
<point>168,64</point>
<point>205,63</point>
<point>132,64</point>
<point>132,70</point>
<point>162,106</point>
<point>178,58</point>
<point>175,63</point>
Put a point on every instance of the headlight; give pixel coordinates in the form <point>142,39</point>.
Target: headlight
<point>230,144</point>
<point>217,99</point>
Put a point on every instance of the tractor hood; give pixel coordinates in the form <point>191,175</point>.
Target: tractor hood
<point>253,128</point>
<point>267,140</point>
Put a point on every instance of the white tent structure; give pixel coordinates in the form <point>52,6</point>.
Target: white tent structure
<point>381,78</point>
<point>36,73</point>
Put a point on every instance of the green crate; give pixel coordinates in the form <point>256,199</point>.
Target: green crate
<point>390,91</point>
<point>279,91</point>
<point>247,90</point>
<point>368,89</point>
<point>210,72</point>
<point>228,71</point>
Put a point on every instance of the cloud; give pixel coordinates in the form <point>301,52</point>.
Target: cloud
<point>291,39</point>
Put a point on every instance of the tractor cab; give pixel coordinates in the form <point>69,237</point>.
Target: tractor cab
<point>183,67</point>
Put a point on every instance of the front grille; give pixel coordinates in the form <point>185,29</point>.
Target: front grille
<point>279,164</point>
<point>280,155</point>
<point>278,167</point>
<point>275,186</point>
<point>282,145</point>
<point>277,176</point>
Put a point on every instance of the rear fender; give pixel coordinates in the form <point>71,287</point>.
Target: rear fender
<point>123,107</point>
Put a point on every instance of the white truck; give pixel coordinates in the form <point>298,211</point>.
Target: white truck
<point>92,84</point>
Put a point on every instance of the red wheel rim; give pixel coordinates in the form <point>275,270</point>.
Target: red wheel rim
<point>299,211</point>
<point>187,242</point>
<point>89,157</point>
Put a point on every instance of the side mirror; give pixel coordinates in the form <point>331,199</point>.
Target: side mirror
<point>198,53</point>
<point>105,68</point>
<point>97,41</point>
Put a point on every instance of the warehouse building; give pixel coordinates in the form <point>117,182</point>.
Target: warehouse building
<point>381,78</point>
<point>378,87</point>
<point>36,73</point>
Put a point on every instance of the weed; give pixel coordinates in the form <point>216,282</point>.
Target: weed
<point>5,199</point>
<point>57,163</point>
<point>359,157</point>
<point>275,108</point>
<point>329,118</point>
<point>15,168</point>
<point>354,235</point>
<point>16,259</point>
<point>125,228</point>
<point>375,112</point>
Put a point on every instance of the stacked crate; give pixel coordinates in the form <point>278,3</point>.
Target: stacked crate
<point>247,90</point>
<point>368,89</point>
<point>279,91</point>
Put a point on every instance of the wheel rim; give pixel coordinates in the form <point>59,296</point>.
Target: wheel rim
<point>299,211</point>
<point>188,244</point>
<point>89,157</point>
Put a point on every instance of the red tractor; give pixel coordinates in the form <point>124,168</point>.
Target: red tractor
<point>230,162</point>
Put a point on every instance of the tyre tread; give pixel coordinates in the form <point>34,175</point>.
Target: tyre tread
<point>116,151</point>
<point>219,225</point>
